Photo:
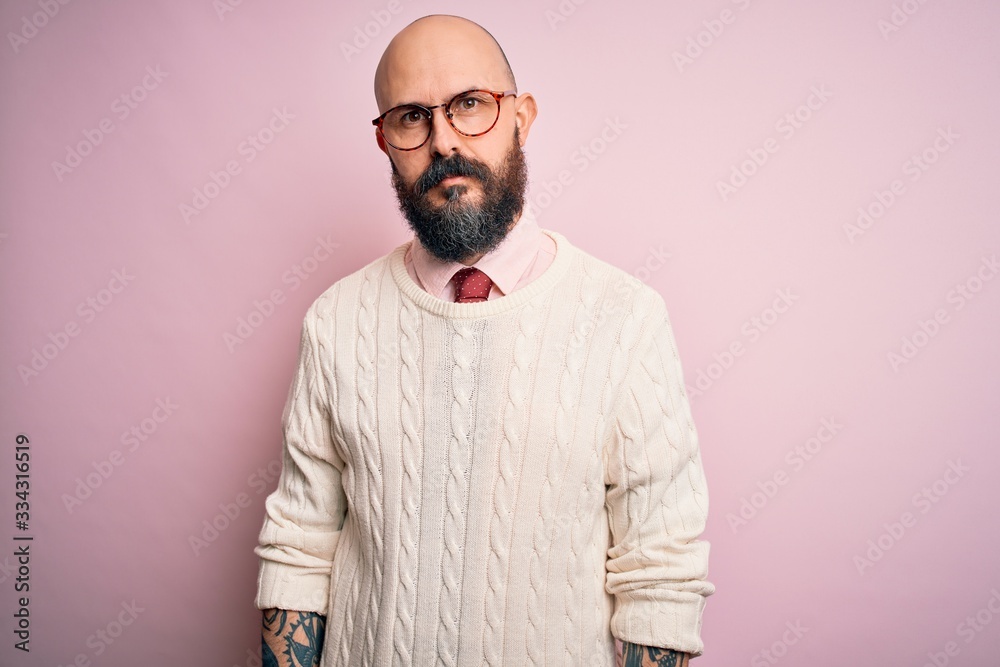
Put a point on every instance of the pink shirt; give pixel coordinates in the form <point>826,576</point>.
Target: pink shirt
<point>522,256</point>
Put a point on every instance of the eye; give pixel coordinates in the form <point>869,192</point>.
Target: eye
<point>471,104</point>
<point>407,117</point>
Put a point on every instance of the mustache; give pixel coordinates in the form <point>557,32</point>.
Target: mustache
<point>442,168</point>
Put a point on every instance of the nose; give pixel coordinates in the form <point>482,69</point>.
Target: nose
<point>444,139</point>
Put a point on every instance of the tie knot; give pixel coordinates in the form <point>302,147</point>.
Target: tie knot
<point>471,284</point>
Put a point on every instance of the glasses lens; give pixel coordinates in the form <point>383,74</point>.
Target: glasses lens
<point>406,126</point>
<point>474,112</point>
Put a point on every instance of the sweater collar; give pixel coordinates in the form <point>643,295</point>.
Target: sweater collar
<point>504,265</point>
<point>565,252</point>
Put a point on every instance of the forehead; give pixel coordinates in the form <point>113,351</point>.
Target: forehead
<point>431,68</point>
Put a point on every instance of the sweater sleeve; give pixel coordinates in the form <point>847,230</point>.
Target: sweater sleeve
<point>657,501</point>
<point>304,515</point>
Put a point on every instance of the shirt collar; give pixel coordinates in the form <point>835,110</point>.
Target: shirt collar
<point>505,264</point>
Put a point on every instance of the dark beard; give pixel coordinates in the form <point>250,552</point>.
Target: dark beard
<point>458,230</point>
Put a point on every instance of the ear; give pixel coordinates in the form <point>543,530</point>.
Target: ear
<point>525,110</point>
<point>381,142</point>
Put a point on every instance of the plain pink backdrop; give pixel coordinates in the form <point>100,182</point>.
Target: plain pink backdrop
<point>645,109</point>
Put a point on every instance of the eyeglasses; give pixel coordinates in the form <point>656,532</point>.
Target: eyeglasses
<point>472,113</point>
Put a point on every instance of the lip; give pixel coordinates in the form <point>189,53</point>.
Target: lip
<point>450,180</point>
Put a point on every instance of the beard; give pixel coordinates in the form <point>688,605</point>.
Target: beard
<point>459,229</point>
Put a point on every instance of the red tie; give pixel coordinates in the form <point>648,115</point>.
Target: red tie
<point>471,285</point>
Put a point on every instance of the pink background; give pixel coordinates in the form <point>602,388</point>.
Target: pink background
<point>672,131</point>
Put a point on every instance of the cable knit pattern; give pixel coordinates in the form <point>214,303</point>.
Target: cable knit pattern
<point>548,525</point>
<point>367,356</point>
<point>462,381</point>
<point>507,482</point>
<point>509,462</point>
<point>409,489</point>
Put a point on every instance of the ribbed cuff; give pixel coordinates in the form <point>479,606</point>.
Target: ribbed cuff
<point>673,623</point>
<point>291,587</point>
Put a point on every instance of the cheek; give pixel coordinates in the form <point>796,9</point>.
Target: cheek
<point>494,148</point>
<point>410,169</point>
<point>487,155</point>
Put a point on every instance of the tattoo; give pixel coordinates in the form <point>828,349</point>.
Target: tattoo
<point>297,635</point>
<point>271,621</point>
<point>628,654</point>
<point>267,655</point>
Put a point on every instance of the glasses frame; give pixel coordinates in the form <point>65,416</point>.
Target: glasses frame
<point>497,95</point>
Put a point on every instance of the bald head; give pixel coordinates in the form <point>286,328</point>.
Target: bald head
<point>439,52</point>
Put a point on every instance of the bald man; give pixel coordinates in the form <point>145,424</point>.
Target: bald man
<point>488,452</point>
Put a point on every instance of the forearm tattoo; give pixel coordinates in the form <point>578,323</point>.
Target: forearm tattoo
<point>634,655</point>
<point>297,636</point>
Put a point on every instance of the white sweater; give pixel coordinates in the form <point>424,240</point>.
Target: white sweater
<point>509,482</point>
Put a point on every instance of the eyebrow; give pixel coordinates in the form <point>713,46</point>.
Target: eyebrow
<point>421,104</point>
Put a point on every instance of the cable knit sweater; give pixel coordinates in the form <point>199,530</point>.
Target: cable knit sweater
<point>509,482</point>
